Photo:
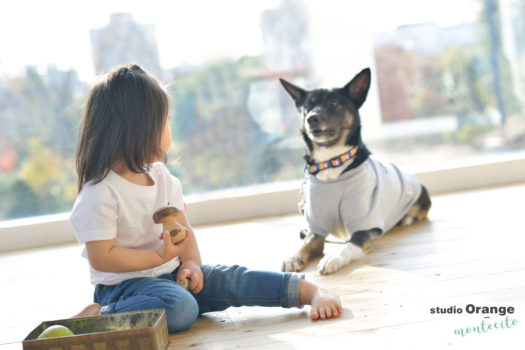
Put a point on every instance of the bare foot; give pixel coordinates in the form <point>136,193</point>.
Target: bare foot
<point>325,303</point>
<point>90,310</point>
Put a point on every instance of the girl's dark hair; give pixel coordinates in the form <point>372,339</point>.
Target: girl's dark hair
<point>124,118</point>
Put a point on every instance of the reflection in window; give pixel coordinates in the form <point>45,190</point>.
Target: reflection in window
<point>447,84</point>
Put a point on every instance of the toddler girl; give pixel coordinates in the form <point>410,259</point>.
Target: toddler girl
<point>125,133</point>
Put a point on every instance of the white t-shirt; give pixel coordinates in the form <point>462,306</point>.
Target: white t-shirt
<point>121,210</point>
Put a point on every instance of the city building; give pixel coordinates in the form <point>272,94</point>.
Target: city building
<point>125,41</point>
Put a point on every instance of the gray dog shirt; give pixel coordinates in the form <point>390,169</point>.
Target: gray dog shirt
<point>373,195</point>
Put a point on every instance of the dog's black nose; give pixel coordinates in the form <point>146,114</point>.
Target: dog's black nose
<point>313,119</point>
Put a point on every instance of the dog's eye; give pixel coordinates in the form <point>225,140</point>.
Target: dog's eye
<point>333,104</point>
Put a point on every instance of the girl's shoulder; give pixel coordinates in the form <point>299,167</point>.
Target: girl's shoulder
<point>160,170</point>
<point>103,190</point>
<point>100,198</point>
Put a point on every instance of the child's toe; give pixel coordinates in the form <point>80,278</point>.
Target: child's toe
<point>314,314</point>
<point>335,312</point>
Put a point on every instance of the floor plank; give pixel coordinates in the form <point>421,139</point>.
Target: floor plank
<point>469,252</point>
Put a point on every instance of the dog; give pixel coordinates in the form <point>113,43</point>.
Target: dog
<point>347,193</point>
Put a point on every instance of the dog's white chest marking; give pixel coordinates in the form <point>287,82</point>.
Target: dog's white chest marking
<point>330,174</point>
<point>324,154</point>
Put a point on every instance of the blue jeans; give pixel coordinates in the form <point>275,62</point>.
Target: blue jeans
<point>224,286</point>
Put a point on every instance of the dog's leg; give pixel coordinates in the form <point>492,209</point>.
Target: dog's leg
<point>313,246</point>
<point>418,211</point>
<point>352,250</point>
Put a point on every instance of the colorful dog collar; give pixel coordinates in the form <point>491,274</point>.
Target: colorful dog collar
<point>333,162</point>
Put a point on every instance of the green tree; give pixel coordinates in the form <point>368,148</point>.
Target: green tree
<point>216,140</point>
<point>40,124</point>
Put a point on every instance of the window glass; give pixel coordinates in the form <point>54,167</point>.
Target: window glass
<point>448,83</point>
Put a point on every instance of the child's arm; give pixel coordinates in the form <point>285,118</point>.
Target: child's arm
<point>105,256</point>
<point>190,258</point>
<point>191,252</point>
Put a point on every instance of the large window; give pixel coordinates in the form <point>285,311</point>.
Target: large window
<point>448,83</point>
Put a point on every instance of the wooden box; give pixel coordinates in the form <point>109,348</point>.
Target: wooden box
<point>137,330</point>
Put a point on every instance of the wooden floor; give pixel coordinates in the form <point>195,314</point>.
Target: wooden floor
<point>471,251</point>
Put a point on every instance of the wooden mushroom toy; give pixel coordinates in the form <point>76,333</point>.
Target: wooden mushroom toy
<point>166,217</point>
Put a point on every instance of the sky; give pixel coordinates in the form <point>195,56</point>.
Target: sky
<point>35,32</point>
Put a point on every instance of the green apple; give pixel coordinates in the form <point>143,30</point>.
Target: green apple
<point>55,331</point>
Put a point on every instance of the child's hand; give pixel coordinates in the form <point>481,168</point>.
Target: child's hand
<point>169,250</point>
<point>191,271</point>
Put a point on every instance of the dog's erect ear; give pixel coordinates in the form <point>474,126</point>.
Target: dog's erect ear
<point>296,92</point>
<point>358,87</point>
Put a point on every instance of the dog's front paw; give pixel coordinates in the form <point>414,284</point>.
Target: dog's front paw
<point>330,264</point>
<point>293,264</point>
